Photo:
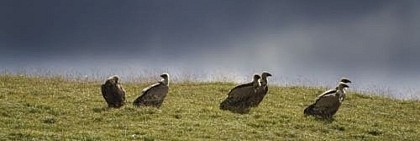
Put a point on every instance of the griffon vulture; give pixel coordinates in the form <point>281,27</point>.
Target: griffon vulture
<point>113,92</point>
<point>238,97</point>
<point>327,103</point>
<point>154,94</point>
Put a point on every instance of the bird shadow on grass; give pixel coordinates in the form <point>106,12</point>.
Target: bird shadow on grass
<point>239,110</point>
<point>145,110</point>
<point>100,109</point>
<point>323,119</point>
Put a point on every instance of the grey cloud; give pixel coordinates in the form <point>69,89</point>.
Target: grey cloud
<point>372,42</point>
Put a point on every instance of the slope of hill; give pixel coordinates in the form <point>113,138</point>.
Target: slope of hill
<point>37,108</point>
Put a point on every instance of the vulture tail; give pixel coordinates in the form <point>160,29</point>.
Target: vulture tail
<point>235,107</point>
<point>309,110</point>
<point>137,102</point>
<point>224,105</point>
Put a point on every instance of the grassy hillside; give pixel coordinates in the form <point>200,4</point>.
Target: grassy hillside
<point>54,109</point>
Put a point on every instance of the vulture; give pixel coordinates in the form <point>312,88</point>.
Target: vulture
<point>261,90</point>
<point>238,97</point>
<point>113,92</point>
<point>327,103</point>
<point>154,94</point>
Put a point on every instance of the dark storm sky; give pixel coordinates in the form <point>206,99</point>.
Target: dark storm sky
<point>368,40</point>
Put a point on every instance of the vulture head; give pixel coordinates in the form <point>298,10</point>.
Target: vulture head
<point>165,79</point>
<point>342,86</point>
<point>256,79</point>
<point>345,80</point>
<point>113,79</point>
<point>265,74</point>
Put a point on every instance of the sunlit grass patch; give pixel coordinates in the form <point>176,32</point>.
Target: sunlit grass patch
<point>53,108</point>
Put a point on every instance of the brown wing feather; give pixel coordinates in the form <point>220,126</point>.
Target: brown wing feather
<point>105,93</point>
<point>241,90</point>
<point>121,93</point>
<point>256,99</point>
<point>114,95</point>
<point>328,92</point>
<point>237,100</point>
<point>153,96</point>
<point>326,100</point>
<point>327,105</point>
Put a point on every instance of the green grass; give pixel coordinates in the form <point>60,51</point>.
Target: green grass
<point>36,108</point>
